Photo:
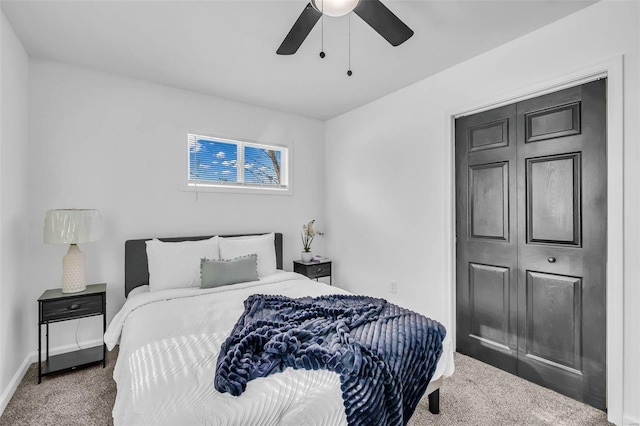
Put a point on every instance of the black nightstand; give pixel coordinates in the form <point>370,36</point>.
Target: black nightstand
<point>313,270</point>
<point>56,306</point>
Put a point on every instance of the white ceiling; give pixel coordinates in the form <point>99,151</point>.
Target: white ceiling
<point>227,48</point>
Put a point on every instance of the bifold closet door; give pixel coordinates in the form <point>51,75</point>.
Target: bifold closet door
<point>540,313</point>
<point>487,249</point>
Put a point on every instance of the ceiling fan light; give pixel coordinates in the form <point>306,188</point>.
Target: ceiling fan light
<point>335,7</point>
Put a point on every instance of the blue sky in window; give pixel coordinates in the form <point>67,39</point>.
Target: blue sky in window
<point>218,161</point>
<point>258,166</point>
<point>213,161</point>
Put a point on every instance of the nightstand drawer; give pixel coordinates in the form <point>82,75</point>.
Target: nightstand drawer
<point>319,270</point>
<point>313,270</point>
<point>72,307</point>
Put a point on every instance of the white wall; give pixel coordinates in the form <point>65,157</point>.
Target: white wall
<point>117,144</point>
<point>387,167</point>
<point>102,141</point>
<point>17,325</point>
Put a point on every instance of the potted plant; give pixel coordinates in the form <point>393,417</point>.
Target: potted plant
<point>308,234</point>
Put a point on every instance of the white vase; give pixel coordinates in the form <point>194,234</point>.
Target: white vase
<point>73,272</point>
<point>306,256</point>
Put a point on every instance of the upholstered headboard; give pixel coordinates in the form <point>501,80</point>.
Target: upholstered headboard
<point>136,268</point>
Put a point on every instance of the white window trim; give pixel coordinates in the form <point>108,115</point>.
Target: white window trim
<point>286,176</point>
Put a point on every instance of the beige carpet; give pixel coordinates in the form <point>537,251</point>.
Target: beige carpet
<point>80,397</point>
<point>477,394</point>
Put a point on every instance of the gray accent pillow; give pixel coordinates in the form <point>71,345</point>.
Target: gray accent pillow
<point>216,273</point>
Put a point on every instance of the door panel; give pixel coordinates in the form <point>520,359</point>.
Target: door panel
<point>531,239</point>
<point>554,320</point>
<point>489,314</point>
<point>555,122</point>
<point>489,135</point>
<point>553,199</point>
<point>488,195</point>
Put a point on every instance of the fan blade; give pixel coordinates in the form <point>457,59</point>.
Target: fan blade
<point>300,30</point>
<point>383,21</point>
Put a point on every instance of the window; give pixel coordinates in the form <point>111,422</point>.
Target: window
<point>218,163</point>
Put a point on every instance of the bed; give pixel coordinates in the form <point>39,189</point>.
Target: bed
<point>169,342</point>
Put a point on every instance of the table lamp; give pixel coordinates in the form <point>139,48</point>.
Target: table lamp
<point>72,226</point>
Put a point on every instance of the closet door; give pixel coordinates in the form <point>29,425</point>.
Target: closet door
<point>531,240</point>
<point>562,205</point>
<point>487,237</point>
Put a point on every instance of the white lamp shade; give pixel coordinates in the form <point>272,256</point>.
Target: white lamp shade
<point>72,226</point>
<point>335,7</point>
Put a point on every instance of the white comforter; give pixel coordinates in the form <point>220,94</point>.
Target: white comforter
<point>169,343</point>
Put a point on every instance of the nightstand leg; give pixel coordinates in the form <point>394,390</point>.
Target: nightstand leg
<point>47,341</point>
<point>39,353</point>
<point>104,330</point>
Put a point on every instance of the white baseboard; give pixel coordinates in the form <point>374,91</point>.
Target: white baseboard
<point>32,357</point>
<point>630,421</point>
<point>15,381</point>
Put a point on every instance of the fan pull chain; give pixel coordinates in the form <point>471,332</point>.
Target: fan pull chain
<point>349,72</point>
<point>322,55</point>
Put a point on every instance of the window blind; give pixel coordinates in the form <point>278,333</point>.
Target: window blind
<point>224,162</point>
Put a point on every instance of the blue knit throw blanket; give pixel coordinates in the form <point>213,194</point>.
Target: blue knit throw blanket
<point>385,355</point>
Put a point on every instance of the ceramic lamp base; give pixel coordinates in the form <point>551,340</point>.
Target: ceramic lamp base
<point>74,278</point>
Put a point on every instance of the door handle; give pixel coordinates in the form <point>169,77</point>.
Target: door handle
<point>551,260</point>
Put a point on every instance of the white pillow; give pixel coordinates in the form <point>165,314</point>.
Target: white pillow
<point>177,265</point>
<point>138,290</point>
<point>262,245</point>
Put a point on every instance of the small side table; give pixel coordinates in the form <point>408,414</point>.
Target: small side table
<point>56,306</point>
<point>313,270</point>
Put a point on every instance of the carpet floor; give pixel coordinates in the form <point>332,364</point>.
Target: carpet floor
<point>477,394</point>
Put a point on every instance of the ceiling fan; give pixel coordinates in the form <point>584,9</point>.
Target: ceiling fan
<point>373,12</point>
